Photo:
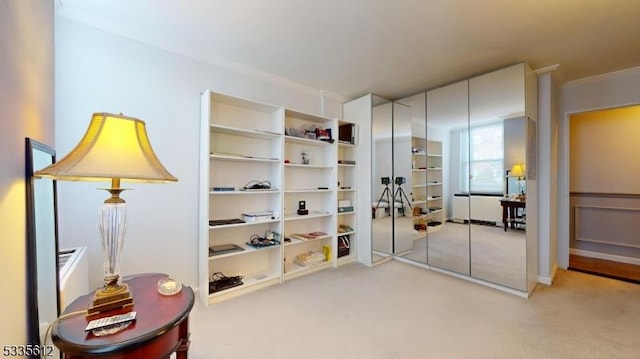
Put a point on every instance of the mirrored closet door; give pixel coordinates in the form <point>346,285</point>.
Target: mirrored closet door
<point>417,191</point>
<point>391,181</point>
<point>497,173</point>
<point>448,181</point>
<point>382,207</point>
<point>402,180</point>
<point>453,178</point>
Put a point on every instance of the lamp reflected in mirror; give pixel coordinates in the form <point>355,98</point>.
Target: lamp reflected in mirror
<point>518,171</point>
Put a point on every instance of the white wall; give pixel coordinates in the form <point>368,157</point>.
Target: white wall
<point>26,110</point>
<point>604,91</point>
<point>97,71</point>
<point>547,179</point>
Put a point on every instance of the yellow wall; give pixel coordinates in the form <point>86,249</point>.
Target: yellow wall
<point>605,151</point>
<point>26,110</point>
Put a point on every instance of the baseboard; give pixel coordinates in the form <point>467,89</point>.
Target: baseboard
<point>549,280</point>
<point>479,281</point>
<point>412,262</point>
<point>609,257</point>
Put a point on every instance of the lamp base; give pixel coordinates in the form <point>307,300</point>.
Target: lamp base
<point>109,298</point>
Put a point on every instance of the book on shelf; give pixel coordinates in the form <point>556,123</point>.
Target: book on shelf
<point>223,189</point>
<point>240,155</point>
<point>308,236</point>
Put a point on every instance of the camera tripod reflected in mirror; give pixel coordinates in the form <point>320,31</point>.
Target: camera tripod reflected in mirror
<point>400,195</point>
<point>397,200</point>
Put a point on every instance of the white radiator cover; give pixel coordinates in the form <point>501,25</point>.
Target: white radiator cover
<point>74,275</point>
<point>483,208</point>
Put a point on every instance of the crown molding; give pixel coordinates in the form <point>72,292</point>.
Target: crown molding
<point>603,77</point>
<point>180,49</point>
<point>547,69</point>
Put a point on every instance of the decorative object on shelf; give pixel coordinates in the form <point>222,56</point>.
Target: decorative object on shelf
<point>305,158</point>
<point>344,243</point>
<point>114,148</point>
<point>302,208</point>
<point>326,250</point>
<point>324,134</point>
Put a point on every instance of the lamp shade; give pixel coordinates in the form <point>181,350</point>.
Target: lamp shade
<point>518,170</point>
<point>114,146</point>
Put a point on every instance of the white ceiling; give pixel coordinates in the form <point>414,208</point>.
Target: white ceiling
<point>392,48</point>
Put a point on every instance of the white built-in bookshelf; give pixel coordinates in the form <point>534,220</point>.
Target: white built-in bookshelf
<point>245,143</point>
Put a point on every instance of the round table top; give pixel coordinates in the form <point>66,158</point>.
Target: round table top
<point>155,314</point>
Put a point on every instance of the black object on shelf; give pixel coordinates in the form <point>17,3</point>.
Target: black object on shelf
<point>344,244</point>
<point>220,222</point>
<point>223,189</point>
<point>302,208</point>
<point>224,248</point>
<point>347,133</point>
<point>221,282</point>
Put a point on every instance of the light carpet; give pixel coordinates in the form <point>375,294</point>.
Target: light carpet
<point>396,310</point>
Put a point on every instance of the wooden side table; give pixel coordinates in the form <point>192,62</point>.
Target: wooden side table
<point>509,208</point>
<point>161,326</point>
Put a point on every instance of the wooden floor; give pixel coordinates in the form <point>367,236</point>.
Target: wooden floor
<point>605,268</point>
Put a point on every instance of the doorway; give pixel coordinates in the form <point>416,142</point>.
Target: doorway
<point>604,189</point>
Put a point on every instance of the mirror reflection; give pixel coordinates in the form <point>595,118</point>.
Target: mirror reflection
<point>418,179</point>
<point>449,180</point>
<point>447,125</point>
<point>383,206</point>
<point>402,180</point>
<point>391,181</point>
<point>42,243</point>
<point>497,177</point>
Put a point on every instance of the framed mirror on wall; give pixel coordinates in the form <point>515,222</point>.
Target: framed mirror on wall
<point>43,282</point>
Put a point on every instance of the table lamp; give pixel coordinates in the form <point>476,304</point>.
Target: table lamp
<point>518,170</point>
<point>114,148</point>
